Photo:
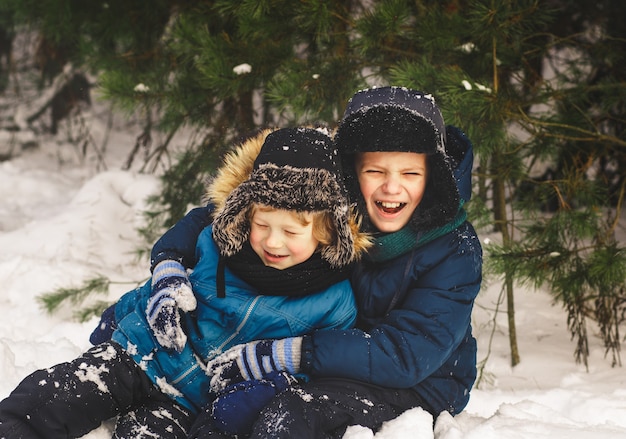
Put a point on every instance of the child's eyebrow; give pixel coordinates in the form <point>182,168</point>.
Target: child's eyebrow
<point>414,168</point>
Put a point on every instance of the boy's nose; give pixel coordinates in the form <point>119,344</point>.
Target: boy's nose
<point>273,240</point>
<point>391,185</point>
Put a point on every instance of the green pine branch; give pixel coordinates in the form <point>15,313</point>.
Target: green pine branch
<point>76,296</point>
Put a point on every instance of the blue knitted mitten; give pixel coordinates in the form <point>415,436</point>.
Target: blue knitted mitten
<point>171,293</point>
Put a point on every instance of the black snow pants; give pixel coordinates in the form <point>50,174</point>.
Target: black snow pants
<point>321,409</point>
<point>71,399</point>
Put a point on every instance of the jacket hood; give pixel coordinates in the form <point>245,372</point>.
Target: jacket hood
<point>403,120</point>
<point>461,155</point>
<point>251,175</point>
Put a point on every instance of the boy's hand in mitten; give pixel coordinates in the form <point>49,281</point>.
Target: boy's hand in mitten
<point>106,327</point>
<point>171,293</point>
<point>237,407</point>
<point>254,360</point>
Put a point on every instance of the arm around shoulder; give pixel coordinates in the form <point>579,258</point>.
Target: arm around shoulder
<point>179,242</point>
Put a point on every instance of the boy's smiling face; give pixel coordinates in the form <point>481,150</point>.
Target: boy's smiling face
<point>392,184</point>
<point>280,239</point>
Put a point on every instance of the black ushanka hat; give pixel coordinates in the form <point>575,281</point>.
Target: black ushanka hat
<point>397,119</point>
<point>296,169</point>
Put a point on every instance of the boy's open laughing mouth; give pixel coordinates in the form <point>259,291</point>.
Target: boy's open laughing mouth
<point>390,207</point>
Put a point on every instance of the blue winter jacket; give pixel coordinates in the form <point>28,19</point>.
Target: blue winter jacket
<point>219,323</point>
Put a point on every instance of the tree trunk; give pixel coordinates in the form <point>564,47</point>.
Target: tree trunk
<point>499,209</point>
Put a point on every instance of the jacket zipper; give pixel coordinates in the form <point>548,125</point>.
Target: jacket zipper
<point>241,325</point>
<point>228,340</point>
<point>187,372</point>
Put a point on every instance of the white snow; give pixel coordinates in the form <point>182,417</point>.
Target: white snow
<point>62,222</point>
<point>242,69</point>
<point>93,374</point>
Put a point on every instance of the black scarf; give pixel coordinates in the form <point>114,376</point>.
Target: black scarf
<point>308,277</point>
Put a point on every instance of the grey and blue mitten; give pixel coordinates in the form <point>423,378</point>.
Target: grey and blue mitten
<point>171,293</point>
<point>254,360</point>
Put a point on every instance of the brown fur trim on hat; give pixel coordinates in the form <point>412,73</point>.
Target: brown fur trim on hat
<point>237,167</point>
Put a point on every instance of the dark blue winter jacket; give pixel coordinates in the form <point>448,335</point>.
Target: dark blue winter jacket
<point>415,324</point>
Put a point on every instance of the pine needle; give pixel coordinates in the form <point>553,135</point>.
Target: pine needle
<point>53,300</point>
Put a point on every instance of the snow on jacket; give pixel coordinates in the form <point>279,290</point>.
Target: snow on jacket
<point>414,328</point>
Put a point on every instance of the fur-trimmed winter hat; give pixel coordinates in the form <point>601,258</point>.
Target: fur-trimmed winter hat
<point>397,119</point>
<point>296,169</point>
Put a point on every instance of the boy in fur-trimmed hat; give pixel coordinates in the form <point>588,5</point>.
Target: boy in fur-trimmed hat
<point>274,264</point>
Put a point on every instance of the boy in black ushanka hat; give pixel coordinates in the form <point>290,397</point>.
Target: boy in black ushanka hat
<point>397,119</point>
<point>274,264</point>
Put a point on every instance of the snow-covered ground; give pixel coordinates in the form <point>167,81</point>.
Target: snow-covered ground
<point>62,222</point>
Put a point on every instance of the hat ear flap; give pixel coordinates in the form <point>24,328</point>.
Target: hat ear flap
<point>230,226</point>
<point>343,250</point>
<point>440,203</point>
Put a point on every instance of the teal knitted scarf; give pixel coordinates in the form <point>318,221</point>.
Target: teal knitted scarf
<point>390,245</point>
